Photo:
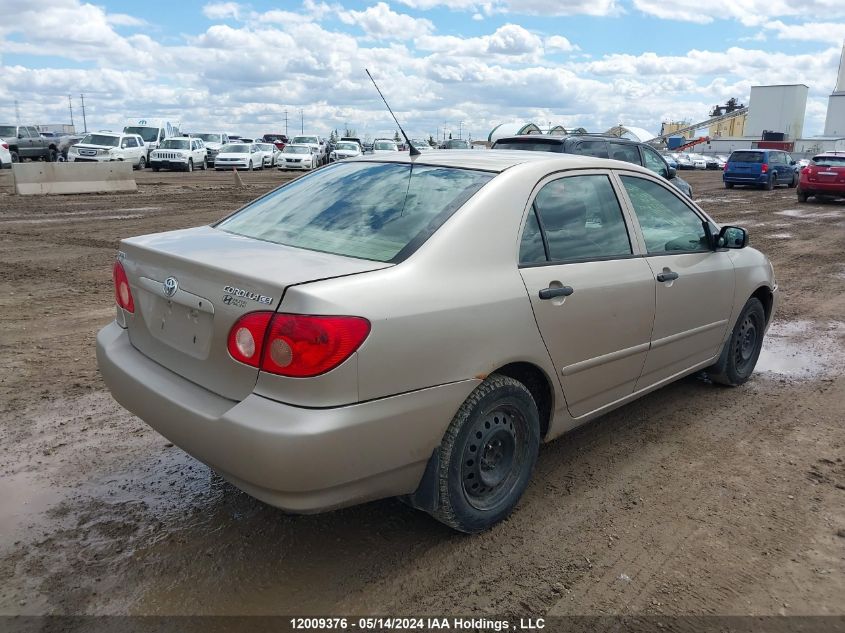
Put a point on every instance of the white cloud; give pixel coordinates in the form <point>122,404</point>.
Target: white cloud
<point>558,43</point>
<point>522,7</point>
<point>509,42</point>
<point>223,10</point>
<point>380,22</point>
<point>833,32</point>
<point>748,12</point>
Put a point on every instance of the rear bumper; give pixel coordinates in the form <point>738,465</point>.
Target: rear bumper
<point>301,460</point>
<point>829,188</point>
<point>739,178</point>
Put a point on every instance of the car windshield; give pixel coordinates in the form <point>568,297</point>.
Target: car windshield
<point>210,138</point>
<point>8,131</point>
<point>266,147</point>
<point>149,134</point>
<point>833,161</point>
<point>746,157</point>
<point>388,145</point>
<point>457,144</point>
<point>306,139</point>
<point>173,143</point>
<point>290,149</point>
<point>234,149</point>
<point>376,211</point>
<point>100,139</point>
<point>420,144</point>
<point>350,146</point>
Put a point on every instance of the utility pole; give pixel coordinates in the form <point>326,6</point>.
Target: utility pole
<point>84,120</point>
<point>70,107</point>
<point>286,122</point>
<point>17,113</point>
<point>461,129</point>
<point>301,121</point>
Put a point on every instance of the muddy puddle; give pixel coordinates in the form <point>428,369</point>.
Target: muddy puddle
<point>803,350</point>
<point>808,214</point>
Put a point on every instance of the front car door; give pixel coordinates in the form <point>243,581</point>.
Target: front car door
<point>591,292</point>
<point>695,284</point>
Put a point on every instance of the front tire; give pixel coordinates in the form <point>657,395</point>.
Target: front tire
<point>729,185</point>
<point>249,168</point>
<point>794,182</point>
<point>741,351</point>
<point>487,455</point>
<point>190,167</point>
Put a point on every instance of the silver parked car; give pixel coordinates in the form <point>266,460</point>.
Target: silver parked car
<point>415,327</point>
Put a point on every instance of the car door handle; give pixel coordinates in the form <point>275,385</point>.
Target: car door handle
<point>551,293</point>
<point>667,276</point>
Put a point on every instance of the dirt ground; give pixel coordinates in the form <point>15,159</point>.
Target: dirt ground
<point>693,500</point>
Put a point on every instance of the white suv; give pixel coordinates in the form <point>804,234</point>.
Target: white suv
<point>100,147</point>
<point>180,152</point>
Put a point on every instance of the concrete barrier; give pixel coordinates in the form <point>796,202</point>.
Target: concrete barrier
<point>57,178</point>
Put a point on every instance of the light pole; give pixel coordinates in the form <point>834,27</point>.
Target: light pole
<point>461,130</point>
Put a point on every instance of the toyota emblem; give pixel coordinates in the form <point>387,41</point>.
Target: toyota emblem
<point>171,285</point>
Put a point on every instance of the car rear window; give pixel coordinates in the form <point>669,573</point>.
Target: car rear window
<point>833,161</point>
<point>746,157</point>
<point>376,211</point>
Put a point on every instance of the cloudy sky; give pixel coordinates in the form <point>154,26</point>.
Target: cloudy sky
<point>459,65</point>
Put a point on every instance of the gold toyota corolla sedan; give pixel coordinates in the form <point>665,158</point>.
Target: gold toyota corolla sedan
<point>416,326</point>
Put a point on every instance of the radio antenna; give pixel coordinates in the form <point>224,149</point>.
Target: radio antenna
<point>414,151</point>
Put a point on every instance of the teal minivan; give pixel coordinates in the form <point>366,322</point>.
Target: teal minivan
<point>764,168</point>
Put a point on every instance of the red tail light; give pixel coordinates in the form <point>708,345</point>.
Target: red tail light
<point>296,345</point>
<point>246,338</point>
<point>5,145</point>
<point>764,168</point>
<point>122,292</point>
<point>725,167</point>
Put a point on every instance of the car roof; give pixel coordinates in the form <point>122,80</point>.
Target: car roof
<point>499,160</point>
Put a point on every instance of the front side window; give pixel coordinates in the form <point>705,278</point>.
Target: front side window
<point>581,219</point>
<point>668,225</point>
<point>376,211</point>
<point>653,161</point>
<point>129,141</point>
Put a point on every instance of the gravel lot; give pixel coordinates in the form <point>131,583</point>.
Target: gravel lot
<point>695,499</point>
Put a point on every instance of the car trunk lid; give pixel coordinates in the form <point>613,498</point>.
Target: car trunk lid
<point>191,286</point>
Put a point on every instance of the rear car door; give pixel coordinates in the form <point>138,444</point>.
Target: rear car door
<point>695,284</point>
<point>591,292</point>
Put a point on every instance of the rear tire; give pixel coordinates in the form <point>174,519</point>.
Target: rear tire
<point>204,164</point>
<point>771,183</point>
<point>52,155</point>
<point>729,185</point>
<point>487,455</point>
<point>156,167</point>
<point>741,351</point>
<point>142,163</point>
<point>803,196</point>
<point>16,158</point>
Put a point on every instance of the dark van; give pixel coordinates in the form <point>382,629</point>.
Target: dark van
<point>764,168</point>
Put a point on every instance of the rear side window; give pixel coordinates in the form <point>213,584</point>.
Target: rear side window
<point>592,148</point>
<point>746,157</point>
<point>581,220</point>
<point>376,211</point>
<point>625,152</point>
<point>529,145</point>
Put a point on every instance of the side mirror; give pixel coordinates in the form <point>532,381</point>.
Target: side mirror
<point>792,162</point>
<point>732,237</point>
<point>20,135</point>
<point>672,173</point>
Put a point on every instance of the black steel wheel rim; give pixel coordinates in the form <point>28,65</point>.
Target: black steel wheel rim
<point>746,343</point>
<point>493,457</point>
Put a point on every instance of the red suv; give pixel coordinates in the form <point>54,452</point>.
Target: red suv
<point>824,177</point>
